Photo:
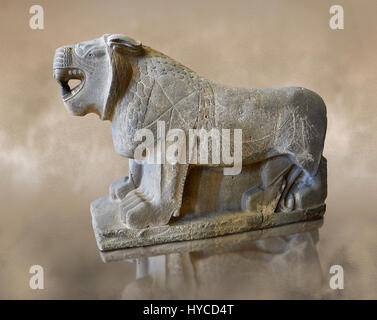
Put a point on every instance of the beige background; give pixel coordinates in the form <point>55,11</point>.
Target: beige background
<point>53,165</point>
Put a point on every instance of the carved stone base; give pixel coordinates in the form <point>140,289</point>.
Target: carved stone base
<point>232,242</point>
<point>111,233</point>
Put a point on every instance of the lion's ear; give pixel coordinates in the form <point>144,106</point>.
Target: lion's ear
<point>125,44</point>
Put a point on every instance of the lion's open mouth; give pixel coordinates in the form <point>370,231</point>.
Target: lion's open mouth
<point>71,81</point>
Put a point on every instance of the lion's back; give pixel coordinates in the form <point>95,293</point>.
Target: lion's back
<point>275,121</point>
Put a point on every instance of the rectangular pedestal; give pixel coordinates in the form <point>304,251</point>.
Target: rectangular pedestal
<point>112,234</point>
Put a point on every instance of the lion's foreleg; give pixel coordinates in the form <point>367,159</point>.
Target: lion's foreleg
<point>120,187</point>
<point>172,185</point>
<point>157,198</point>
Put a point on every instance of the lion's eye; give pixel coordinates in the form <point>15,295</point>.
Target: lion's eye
<point>96,53</point>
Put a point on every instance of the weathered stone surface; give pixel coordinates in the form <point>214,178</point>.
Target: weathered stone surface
<point>278,134</point>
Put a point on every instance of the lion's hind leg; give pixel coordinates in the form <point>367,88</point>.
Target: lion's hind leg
<point>306,191</point>
<point>287,198</point>
<point>266,196</point>
<point>285,187</point>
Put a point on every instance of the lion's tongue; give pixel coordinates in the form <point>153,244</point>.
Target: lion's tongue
<point>65,89</point>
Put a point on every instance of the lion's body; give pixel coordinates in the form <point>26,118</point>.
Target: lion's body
<point>282,121</point>
<point>135,87</point>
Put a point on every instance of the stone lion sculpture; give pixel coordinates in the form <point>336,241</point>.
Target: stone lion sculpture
<point>283,176</point>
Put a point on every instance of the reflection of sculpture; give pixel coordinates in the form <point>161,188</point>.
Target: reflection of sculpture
<point>283,175</point>
<point>279,263</point>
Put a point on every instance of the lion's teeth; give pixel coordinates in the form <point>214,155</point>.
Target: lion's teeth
<point>74,71</point>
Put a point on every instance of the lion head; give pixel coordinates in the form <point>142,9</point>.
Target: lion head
<point>103,69</point>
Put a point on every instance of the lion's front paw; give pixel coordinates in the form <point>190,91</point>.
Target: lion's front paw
<point>141,210</point>
<point>120,187</point>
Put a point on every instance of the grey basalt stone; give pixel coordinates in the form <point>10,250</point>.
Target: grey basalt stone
<point>283,177</point>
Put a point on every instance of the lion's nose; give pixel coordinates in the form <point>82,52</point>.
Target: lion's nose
<point>63,57</point>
